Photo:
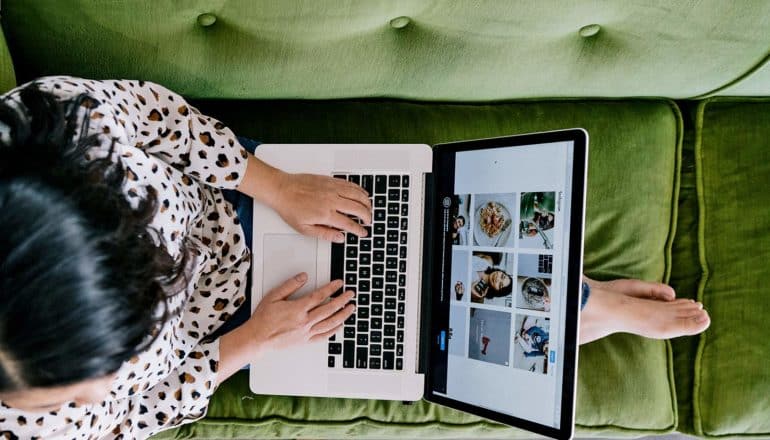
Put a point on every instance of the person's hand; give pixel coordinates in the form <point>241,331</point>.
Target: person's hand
<point>320,206</point>
<point>279,322</point>
<point>459,288</point>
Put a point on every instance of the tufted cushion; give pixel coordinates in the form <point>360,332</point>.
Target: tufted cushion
<point>625,383</point>
<point>732,377</point>
<point>418,49</point>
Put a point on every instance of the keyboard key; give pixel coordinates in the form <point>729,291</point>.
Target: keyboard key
<point>400,336</point>
<point>330,362</point>
<point>390,303</point>
<point>379,228</point>
<point>367,183</point>
<point>388,344</point>
<point>387,360</point>
<point>390,330</point>
<point>402,266</point>
<point>333,338</point>
<point>350,332</point>
<point>351,238</point>
<point>400,322</point>
<point>392,236</point>
<point>363,326</point>
<point>348,354</point>
<point>393,222</point>
<point>365,272</point>
<point>391,263</point>
<point>404,210</point>
<point>362,339</point>
<point>350,278</point>
<point>378,243</point>
<point>365,245</point>
<point>399,364</point>
<point>401,294</point>
<point>378,269</point>
<point>394,195</point>
<point>405,195</point>
<point>362,353</point>
<point>377,308</point>
<point>355,179</point>
<point>335,348</point>
<point>351,265</point>
<point>376,338</point>
<point>390,318</point>
<point>401,308</point>
<point>380,201</point>
<point>394,181</point>
<point>399,350</point>
<point>377,283</point>
<point>351,252</point>
<point>405,181</point>
<point>374,364</point>
<point>393,208</point>
<point>402,280</point>
<point>391,276</point>
<point>363,313</point>
<point>351,320</point>
<point>380,184</point>
<point>341,176</point>
<point>391,249</point>
<point>402,238</point>
<point>363,299</point>
<point>379,215</point>
<point>404,223</point>
<point>365,258</point>
<point>377,296</point>
<point>375,349</point>
<point>375,322</point>
<point>390,290</point>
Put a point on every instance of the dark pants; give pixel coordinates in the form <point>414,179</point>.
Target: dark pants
<point>243,205</point>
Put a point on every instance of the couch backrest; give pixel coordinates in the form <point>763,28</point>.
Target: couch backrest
<point>444,50</point>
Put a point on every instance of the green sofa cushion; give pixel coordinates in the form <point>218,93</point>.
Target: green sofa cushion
<point>7,74</point>
<point>447,50</point>
<point>625,382</point>
<point>733,159</point>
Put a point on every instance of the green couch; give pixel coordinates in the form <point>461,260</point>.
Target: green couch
<point>679,174</point>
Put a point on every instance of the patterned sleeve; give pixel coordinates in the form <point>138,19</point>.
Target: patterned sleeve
<point>182,397</point>
<point>151,117</point>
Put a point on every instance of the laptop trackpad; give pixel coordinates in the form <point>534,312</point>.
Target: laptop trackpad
<point>285,255</point>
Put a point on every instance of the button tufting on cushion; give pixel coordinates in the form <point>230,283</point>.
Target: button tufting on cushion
<point>207,19</point>
<point>400,22</point>
<point>589,30</point>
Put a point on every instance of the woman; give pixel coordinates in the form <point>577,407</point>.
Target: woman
<point>490,281</point>
<point>123,252</point>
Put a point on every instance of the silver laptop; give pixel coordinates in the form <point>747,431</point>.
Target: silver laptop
<point>458,230</point>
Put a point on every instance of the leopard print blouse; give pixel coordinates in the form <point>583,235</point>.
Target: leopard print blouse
<point>187,157</point>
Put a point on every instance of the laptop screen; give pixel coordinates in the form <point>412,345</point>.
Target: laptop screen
<point>504,280</point>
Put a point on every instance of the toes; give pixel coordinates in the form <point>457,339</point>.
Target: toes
<point>698,323</point>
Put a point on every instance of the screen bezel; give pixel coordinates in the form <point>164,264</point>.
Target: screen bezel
<point>443,169</point>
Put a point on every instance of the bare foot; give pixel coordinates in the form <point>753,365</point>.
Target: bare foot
<point>639,307</point>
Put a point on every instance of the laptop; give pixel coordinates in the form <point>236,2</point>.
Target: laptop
<point>467,285</point>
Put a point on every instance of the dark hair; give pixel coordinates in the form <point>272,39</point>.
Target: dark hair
<point>84,282</point>
<point>505,291</point>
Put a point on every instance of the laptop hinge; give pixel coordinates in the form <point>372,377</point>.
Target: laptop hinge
<point>423,341</point>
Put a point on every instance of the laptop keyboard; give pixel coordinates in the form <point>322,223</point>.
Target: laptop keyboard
<point>375,268</point>
<point>545,263</point>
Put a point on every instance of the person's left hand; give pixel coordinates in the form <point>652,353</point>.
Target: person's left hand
<point>321,206</point>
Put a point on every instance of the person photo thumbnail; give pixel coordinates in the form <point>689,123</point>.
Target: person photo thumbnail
<point>460,219</point>
<point>493,219</point>
<point>538,218</point>
<point>530,343</point>
<point>492,278</point>
<point>489,336</point>
<point>533,286</point>
<point>459,281</point>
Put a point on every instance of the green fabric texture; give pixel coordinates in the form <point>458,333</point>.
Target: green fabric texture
<point>733,163</point>
<point>445,50</point>
<point>625,382</point>
<point>7,74</point>
<point>686,270</point>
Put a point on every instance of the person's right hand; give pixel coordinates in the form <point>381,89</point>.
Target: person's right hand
<point>279,322</point>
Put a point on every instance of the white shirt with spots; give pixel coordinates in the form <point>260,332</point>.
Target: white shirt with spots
<point>187,157</point>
